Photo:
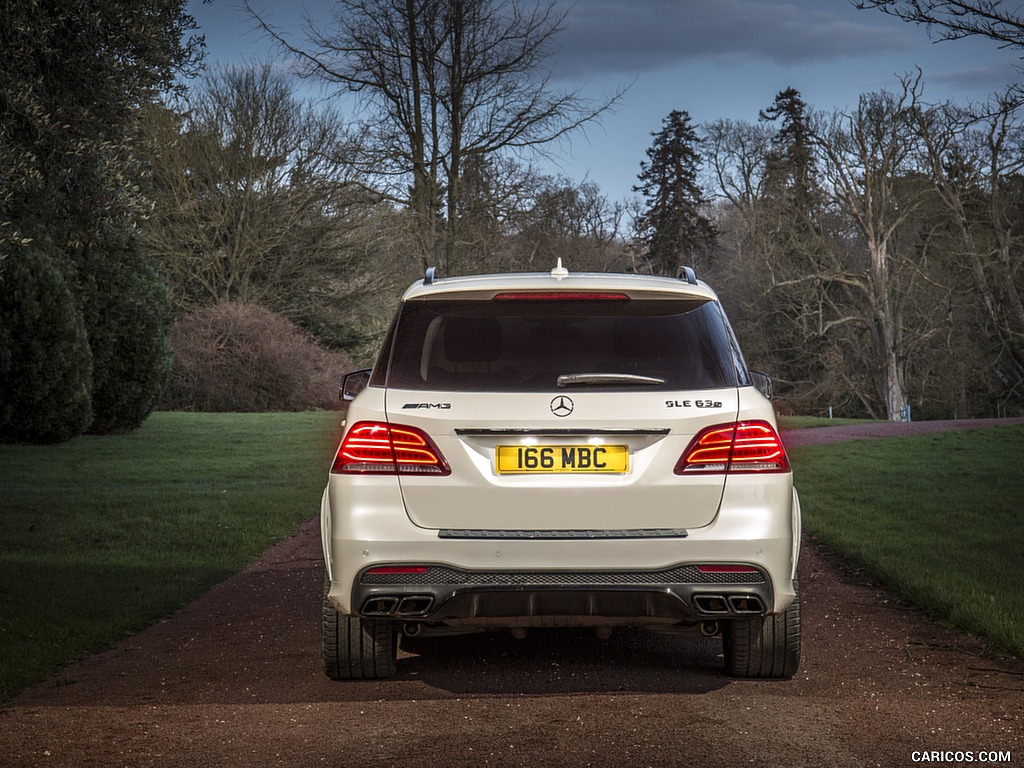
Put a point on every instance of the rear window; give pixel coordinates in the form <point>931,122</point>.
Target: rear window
<point>528,346</point>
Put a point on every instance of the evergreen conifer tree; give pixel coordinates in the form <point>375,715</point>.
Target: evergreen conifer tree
<point>45,362</point>
<point>673,226</point>
<point>791,171</point>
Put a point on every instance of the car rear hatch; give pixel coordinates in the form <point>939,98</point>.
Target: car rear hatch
<point>561,412</point>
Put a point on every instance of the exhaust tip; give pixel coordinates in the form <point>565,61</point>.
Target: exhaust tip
<point>746,604</point>
<point>415,606</point>
<point>380,606</point>
<point>389,605</point>
<point>711,603</point>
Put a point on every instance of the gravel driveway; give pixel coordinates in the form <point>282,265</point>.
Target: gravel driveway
<point>234,680</point>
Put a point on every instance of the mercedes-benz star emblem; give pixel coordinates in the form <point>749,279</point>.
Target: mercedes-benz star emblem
<point>562,406</point>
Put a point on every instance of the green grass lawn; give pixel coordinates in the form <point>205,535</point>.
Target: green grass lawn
<point>938,518</point>
<point>102,535</point>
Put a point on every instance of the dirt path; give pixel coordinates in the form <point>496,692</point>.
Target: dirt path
<point>234,680</point>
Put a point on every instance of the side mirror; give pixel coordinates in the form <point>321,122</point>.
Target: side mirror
<point>353,383</point>
<point>762,383</point>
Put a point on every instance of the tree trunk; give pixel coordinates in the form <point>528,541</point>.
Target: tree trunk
<point>888,336</point>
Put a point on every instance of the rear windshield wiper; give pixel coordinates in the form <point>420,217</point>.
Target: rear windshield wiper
<point>605,379</point>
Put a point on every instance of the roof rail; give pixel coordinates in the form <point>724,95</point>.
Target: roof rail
<point>430,276</point>
<point>687,274</point>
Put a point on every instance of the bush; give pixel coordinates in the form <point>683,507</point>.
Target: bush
<point>45,362</point>
<point>241,357</point>
<point>127,313</point>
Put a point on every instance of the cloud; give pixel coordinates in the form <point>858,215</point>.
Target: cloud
<point>635,36</point>
<point>993,78</point>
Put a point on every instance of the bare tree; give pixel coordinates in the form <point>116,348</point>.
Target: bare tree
<point>255,196</point>
<point>905,278</point>
<point>736,155</point>
<point>772,261</point>
<point>976,166</point>
<point>955,19</point>
<point>959,19</point>
<point>867,158</point>
<point>442,82</point>
<point>569,220</point>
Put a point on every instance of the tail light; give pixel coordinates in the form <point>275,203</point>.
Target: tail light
<point>746,446</point>
<point>379,448</point>
<point>561,296</point>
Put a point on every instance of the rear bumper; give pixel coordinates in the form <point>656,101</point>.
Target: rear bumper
<point>480,599</point>
<point>606,580</point>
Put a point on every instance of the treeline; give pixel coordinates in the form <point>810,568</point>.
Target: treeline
<point>259,198</point>
<point>870,260</point>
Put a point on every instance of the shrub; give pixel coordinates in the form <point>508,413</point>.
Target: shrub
<point>45,362</point>
<point>126,311</point>
<point>241,357</point>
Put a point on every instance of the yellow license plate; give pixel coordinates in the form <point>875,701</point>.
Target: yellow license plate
<point>562,458</point>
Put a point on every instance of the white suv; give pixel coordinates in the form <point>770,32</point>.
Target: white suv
<point>560,450</point>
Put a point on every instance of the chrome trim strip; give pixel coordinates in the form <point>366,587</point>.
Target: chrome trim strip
<point>585,432</point>
<point>636,533</point>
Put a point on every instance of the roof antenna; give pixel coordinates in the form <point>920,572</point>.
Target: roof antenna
<point>559,272</point>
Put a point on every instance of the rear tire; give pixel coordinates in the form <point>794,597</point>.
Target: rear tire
<point>355,648</point>
<point>766,647</point>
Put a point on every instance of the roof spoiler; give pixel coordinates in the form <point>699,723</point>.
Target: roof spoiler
<point>685,273</point>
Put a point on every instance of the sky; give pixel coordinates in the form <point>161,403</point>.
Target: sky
<point>715,59</point>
